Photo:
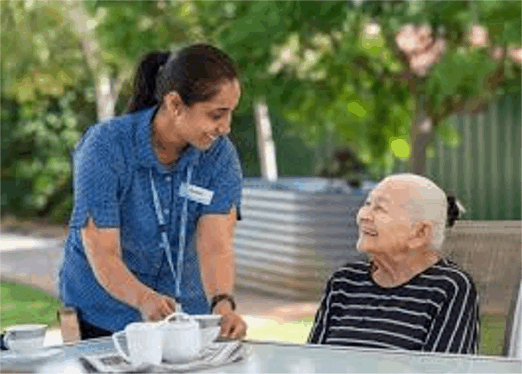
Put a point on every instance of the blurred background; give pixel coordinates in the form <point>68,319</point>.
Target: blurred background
<point>352,91</point>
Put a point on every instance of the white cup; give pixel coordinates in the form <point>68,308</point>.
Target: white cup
<point>144,342</point>
<point>25,338</point>
<point>210,327</point>
<point>181,339</point>
<point>208,335</point>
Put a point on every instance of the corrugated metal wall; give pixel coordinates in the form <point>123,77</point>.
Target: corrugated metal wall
<point>289,242</point>
<point>484,171</point>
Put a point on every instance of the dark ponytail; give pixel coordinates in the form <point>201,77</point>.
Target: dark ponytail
<point>195,72</point>
<point>144,95</point>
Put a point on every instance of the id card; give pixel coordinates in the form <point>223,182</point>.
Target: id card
<point>195,193</point>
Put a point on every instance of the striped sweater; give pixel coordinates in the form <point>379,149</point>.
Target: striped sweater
<point>435,311</point>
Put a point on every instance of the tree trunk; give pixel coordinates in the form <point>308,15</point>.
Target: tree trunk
<point>265,143</point>
<point>105,98</point>
<point>422,134</point>
<point>74,12</point>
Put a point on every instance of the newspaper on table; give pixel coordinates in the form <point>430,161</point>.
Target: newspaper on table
<point>215,354</point>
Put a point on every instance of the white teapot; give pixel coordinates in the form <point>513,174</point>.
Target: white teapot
<point>181,338</point>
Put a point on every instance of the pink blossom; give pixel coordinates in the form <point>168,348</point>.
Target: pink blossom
<point>478,36</point>
<point>417,43</point>
<point>372,29</point>
<point>420,63</point>
<point>424,38</point>
<point>406,39</point>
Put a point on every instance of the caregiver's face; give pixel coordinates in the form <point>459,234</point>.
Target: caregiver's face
<point>202,123</point>
<point>384,222</point>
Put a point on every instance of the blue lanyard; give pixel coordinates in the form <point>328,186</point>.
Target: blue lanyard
<point>165,244</point>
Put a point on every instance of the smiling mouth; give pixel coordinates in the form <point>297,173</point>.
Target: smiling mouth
<point>368,232</point>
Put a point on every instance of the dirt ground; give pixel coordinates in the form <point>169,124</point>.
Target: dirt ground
<point>35,228</point>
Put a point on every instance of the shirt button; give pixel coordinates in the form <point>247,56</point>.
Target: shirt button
<point>166,211</point>
<point>168,178</point>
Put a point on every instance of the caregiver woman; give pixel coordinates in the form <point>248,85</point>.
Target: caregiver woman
<point>156,197</point>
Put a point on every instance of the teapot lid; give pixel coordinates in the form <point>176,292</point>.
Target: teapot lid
<point>178,322</point>
<point>182,321</point>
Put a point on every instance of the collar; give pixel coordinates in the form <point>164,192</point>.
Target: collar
<point>145,150</point>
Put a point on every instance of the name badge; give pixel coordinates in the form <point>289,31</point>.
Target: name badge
<point>195,193</point>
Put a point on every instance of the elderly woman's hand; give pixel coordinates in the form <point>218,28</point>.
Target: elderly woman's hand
<point>232,325</point>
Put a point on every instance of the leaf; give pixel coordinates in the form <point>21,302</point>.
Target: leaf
<point>356,109</point>
<point>400,148</point>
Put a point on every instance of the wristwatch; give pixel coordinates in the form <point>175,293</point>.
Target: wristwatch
<point>218,298</point>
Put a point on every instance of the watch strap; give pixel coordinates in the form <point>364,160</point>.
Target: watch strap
<point>220,297</point>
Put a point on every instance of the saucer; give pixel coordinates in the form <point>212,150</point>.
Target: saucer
<point>24,357</point>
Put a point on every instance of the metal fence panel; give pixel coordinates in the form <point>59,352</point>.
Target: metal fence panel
<point>485,170</point>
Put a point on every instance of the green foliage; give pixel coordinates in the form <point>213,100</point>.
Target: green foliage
<point>38,52</point>
<point>37,139</point>
<point>332,84</point>
<point>294,158</point>
<point>461,74</point>
<point>502,19</point>
<point>448,134</point>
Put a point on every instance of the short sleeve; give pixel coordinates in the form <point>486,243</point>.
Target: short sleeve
<point>227,184</point>
<point>96,179</point>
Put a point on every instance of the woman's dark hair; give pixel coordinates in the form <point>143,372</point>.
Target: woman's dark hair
<point>195,73</point>
<point>453,211</point>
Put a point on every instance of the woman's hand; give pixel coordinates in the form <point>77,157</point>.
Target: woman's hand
<point>155,307</point>
<point>232,325</point>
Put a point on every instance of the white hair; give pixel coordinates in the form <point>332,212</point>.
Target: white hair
<point>428,203</point>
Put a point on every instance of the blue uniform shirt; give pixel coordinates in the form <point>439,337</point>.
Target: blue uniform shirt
<point>112,168</point>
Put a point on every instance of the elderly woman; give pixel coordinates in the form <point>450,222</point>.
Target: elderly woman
<point>407,296</point>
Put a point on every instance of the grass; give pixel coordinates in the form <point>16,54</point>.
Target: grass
<point>22,304</point>
<point>291,332</point>
<point>491,339</point>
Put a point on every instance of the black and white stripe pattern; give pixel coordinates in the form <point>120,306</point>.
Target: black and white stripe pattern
<point>436,311</point>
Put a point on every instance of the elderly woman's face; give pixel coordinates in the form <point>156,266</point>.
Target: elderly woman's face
<point>384,222</point>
